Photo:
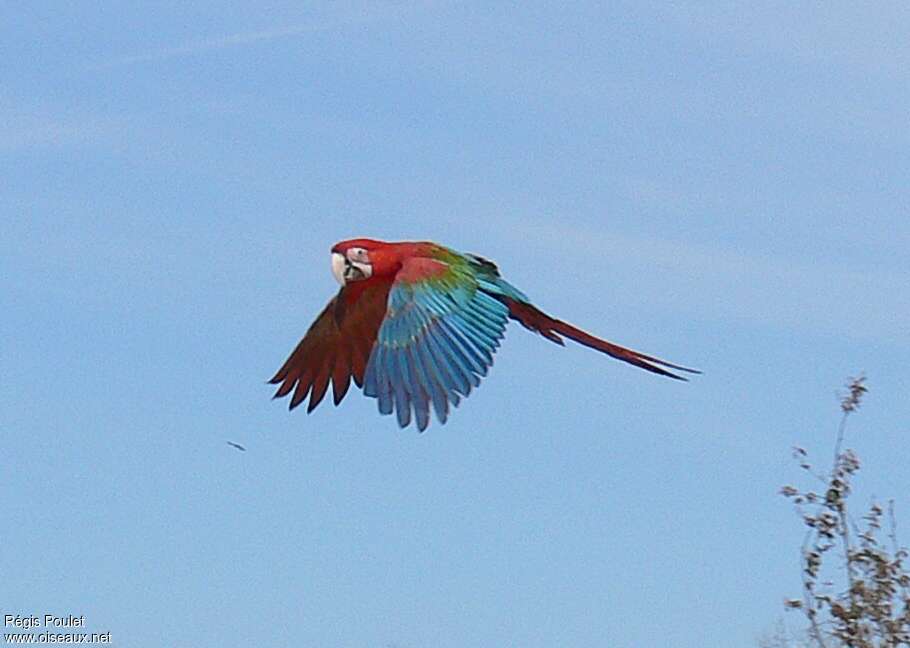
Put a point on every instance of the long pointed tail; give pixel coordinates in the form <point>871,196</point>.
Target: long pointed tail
<point>536,320</point>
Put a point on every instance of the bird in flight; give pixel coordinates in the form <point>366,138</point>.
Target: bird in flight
<point>415,325</point>
<point>236,445</point>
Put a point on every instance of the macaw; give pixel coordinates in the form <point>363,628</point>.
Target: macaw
<point>416,324</point>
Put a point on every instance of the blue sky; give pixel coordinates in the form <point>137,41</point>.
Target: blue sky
<point>722,186</point>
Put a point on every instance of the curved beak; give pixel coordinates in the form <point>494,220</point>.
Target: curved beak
<point>346,270</point>
<point>338,266</point>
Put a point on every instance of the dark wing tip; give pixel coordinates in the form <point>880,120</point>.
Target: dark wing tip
<point>660,371</point>
<point>281,374</point>
<point>663,372</point>
<point>649,363</point>
<point>284,389</point>
<point>664,363</point>
<point>677,367</point>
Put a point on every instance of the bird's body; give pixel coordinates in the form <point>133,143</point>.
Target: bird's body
<point>415,325</point>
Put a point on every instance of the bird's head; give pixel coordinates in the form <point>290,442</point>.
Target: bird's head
<point>351,260</point>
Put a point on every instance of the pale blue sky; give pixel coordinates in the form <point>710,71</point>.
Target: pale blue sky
<point>722,186</point>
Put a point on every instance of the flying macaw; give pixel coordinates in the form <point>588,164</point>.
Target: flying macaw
<point>415,324</point>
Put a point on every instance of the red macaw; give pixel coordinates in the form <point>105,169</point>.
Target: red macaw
<point>417,323</point>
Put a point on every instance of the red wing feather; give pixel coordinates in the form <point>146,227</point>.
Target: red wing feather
<point>341,375</point>
<point>336,347</point>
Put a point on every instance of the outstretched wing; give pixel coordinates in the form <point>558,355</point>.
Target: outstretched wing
<point>437,340</point>
<point>336,347</point>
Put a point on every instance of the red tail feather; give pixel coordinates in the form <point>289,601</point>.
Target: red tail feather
<point>536,320</point>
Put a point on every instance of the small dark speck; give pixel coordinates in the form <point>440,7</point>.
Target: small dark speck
<point>236,445</point>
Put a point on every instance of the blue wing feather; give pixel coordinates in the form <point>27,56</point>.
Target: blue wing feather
<point>449,360</point>
<point>457,342</point>
<point>443,387</point>
<point>421,398</point>
<point>482,342</point>
<point>436,362</point>
<point>436,342</point>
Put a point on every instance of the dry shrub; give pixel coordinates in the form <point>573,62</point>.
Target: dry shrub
<point>856,589</point>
